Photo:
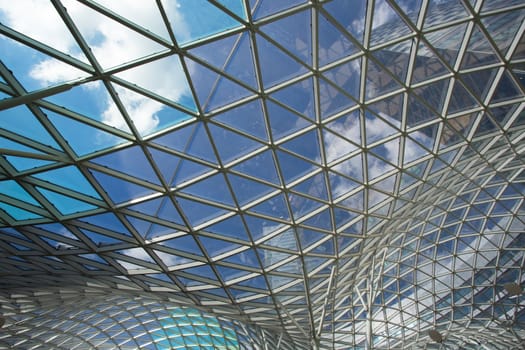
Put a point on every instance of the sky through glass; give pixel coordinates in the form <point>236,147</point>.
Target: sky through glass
<point>301,174</point>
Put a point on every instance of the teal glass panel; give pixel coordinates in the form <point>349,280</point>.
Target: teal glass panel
<point>192,20</point>
<point>69,177</point>
<point>66,205</point>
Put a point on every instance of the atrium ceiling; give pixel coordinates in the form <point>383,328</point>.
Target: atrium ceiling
<point>262,174</point>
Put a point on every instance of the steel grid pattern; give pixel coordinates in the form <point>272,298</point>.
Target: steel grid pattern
<point>262,174</point>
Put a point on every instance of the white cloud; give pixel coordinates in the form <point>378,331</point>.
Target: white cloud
<point>112,44</point>
<point>382,14</point>
<point>50,72</point>
<point>39,20</point>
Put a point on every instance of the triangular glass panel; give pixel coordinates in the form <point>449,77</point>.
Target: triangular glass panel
<point>66,205</point>
<point>352,168</point>
<point>247,118</point>
<point>283,122</point>
<point>261,166</point>
<point>199,213</point>
<point>246,190</point>
<point>120,190</point>
<point>479,51</point>
<point>322,220</point>
<point>439,13</point>
<point>177,170</point>
<point>507,89</point>
<point>460,99</point>
<point>314,186</point>
<point>376,197</point>
<point>41,16</point>
<point>485,126</point>
<point>447,42</point>
<point>149,230</point>
<point>171,82</point>
<point>223,140</point>
<point>384,20</point>
<point>308,237</point>
<point>305,145</point>
<point>406,181</point>
<point>345,76</point>
<point>92,140</point>
<point>271,257</point>
<point>147,17</point>
<point>411,9</point>
<point>348,245</point>
<point>377,129</point>
<point>23,163</point>
<point>190,20</point>
<point>332,43</point>
<point>192,140</point>
<point>273,74</point>
<point>298,96</point>
<point>502,114</point>
<point>479,82</point>
<point>389,151</point>
<point>413,149</point>
<point>212,188</point>
<point>259,227</point>
<point>18,213</point>
<point>246,258</point>
<point>147,115</point>
<point>126,161</point>
<point>212,89</point>
<point>350,15</point>
<point>341,185</point>
<point>427,65</point>
<point>229,274</point>
<point>434,94</point>
<point>418,113</point>
<point>449,137</point>
<point>161,208</point>
<point>265,8</point>
<point>93,101</point>
<point>12,189</point>
<point>232,55</point>
<point>293,167</point>
<point>215,247</point>
<point>21,121</point>
<point>36,70</point>
<point>395,58</point>
<point>276,206</point>
<point>313,263</point>
<point>107,221</point>
<point>293,26</point>
<point>379,81</point>
<point>343,217</point>
<point>337,147</point>
<point>184,244</point>
<point>390,109</point>
<point>284,240</point>
<point>302,206</point>
<point>510,21</point>
<point>103,34</point>
<point>378,166</point>
<point>231,227</point>
<point>203,271</point>
<point>100,239</point>
<point>69,177</point>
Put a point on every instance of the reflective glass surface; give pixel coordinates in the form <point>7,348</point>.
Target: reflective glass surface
<point>246,174</point>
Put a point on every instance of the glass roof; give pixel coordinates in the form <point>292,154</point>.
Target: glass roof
<point>239,174</point>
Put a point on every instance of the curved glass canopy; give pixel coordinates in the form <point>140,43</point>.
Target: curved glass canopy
<point>239,174</point>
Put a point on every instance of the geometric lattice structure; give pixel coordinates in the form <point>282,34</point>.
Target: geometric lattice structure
<point>258,174</point>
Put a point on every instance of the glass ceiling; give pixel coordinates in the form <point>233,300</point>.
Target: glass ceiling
<point>262,174</point>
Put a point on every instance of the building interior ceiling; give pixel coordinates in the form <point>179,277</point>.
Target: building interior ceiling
<point>262,174</point>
